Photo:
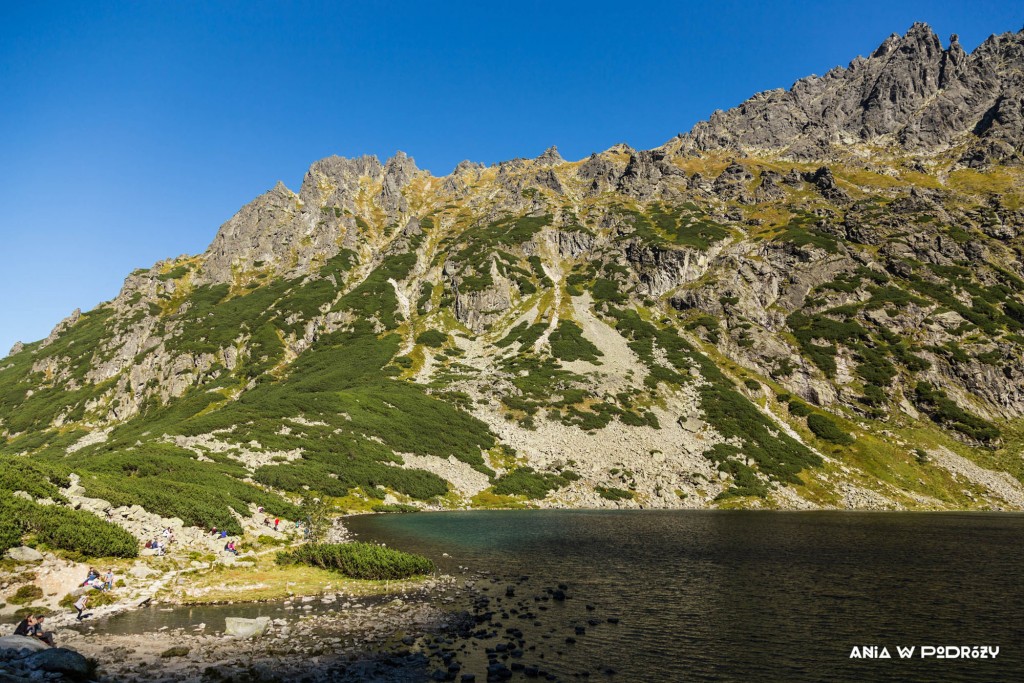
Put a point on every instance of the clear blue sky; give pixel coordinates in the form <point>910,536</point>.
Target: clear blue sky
<point>130,131</point>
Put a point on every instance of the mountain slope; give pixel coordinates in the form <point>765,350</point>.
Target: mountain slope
<point>826,313</point>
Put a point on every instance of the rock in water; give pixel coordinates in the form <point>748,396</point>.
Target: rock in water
<point>25,554</point>
<point>246,628</point>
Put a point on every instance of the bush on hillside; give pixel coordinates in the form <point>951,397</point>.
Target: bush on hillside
<point>359,560</point>
<point>63,528</point>
<point>432,338</point>
<point>26,594</point>
<point>527,482</point>
<point>824,427</point>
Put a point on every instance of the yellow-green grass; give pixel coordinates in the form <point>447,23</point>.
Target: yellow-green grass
<point>268,581</point>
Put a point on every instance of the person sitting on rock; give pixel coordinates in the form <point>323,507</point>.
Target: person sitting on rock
<point>25,626</point>
<point>91,576</point>
<point>38,632</point>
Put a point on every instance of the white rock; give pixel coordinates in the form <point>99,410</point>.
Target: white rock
<point>245,628</point>
<point>25,554</point>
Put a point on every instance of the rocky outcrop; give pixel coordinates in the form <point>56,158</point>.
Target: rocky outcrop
<point>909,92</point>
<point>24,554</point>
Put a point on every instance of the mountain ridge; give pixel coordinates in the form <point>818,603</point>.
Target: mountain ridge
<point>707,323</point>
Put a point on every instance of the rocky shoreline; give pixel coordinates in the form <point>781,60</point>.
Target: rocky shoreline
<point>346,639</point>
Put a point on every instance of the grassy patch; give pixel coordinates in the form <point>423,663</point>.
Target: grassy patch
<point>359,560</point>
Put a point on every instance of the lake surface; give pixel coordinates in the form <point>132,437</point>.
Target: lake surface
<point>738,596</point>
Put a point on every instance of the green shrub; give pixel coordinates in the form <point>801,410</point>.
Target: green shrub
<point>394,508</point>
<point>97,598</point>
<point>607,290</point>
<point>359,560</point>
<point>612,493</point>
<point>432,338</point>
<point>947,413</point>
<point>525,481</point>
<point>825,427</point>
<point>799,408</point>
<point>63,528</point>
<point>569,344</point>
<point>26,594</point>
<point>752,384</point>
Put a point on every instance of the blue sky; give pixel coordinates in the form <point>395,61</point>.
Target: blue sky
<point>130,131</point>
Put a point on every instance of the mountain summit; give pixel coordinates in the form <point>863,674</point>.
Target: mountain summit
<point>909,94</point>
<point>813,300</point>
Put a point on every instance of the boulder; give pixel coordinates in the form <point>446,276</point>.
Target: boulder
<point>22,643</point>
<point>25,554</point>
<point>246,628</point>
<point>60,660</point>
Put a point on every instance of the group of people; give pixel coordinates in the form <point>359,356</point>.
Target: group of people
<point>94,580</point>
<point>32,627</point>
<point>159,544</point>
<point>156,546</point>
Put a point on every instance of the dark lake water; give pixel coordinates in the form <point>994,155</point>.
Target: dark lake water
<point>740,596</point>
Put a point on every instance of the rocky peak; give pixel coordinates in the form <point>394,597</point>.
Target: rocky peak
<point>60,327</point>
<point>398,172</point>
<point>467,166</point>
<point>550,157</point>
<point>910,91</point>
<point>256,232</point>
<point>334,181</point>
<point>400,169</point>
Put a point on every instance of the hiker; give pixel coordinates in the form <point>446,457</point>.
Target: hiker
<point>213,531</point>
<point>108,580</point>
<point>80,604</point>
<point>93,574</point>
<point>224,533</point>
<point>38,632</point>
<point>276,523</point>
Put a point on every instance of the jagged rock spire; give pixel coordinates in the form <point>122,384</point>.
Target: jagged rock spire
<point>909,91</point>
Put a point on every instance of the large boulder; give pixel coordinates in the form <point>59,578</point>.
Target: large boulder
<point>60,660</point>
<point>246,628</point>
<point>22,643</point>
<point>25,554</point>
